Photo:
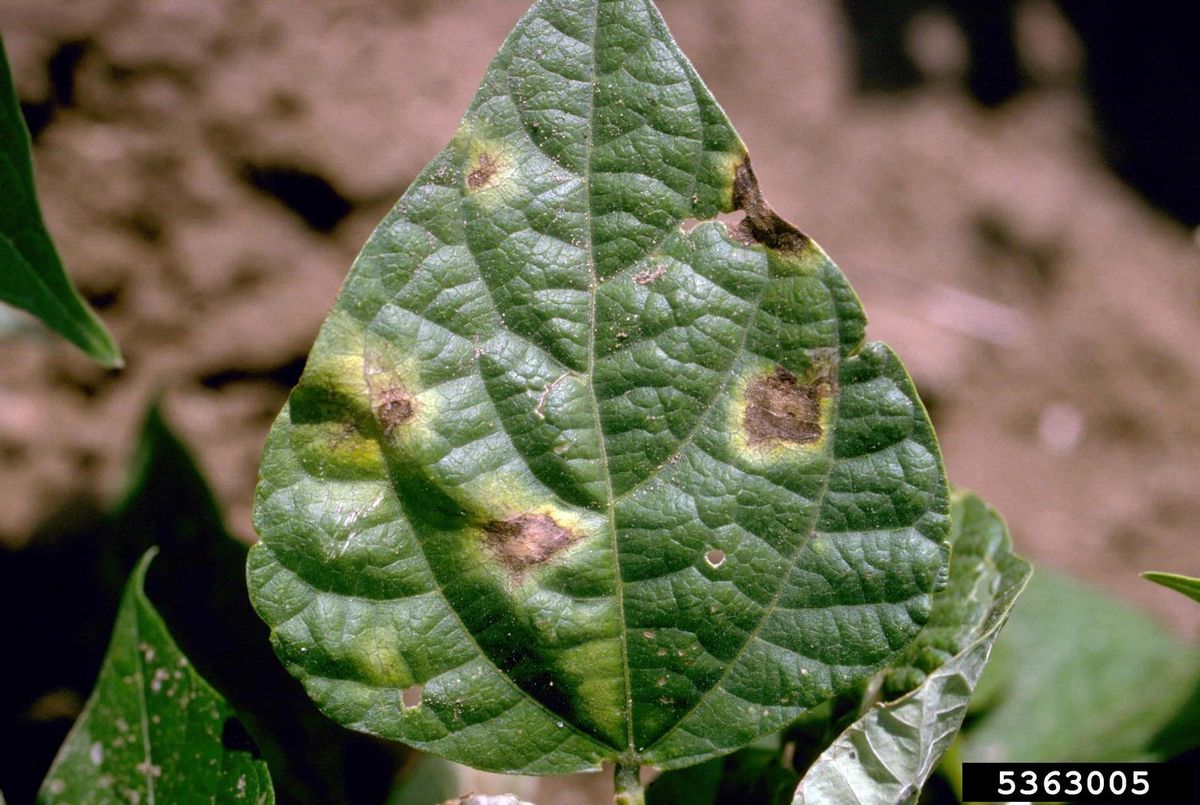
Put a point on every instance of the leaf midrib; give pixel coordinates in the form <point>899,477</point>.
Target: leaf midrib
<point>594,283</point>
<point>143,709</point>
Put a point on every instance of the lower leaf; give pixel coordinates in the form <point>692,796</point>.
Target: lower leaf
<point>153,729</point>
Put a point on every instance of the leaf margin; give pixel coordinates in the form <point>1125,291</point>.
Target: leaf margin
<point>841,769</point>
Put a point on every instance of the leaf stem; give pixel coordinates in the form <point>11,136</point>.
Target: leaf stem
<point>628,785</point>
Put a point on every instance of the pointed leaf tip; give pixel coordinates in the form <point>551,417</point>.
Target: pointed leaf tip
<point>1173,581</point>
<point>31,274</point>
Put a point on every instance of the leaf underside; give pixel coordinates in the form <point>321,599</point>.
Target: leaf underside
<point>595,475</point>
<point>889,753</point>
<point>154,729</point>
<point>31,274</point>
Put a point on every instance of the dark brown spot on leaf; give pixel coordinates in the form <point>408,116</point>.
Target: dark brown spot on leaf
<point>394,407</point>
<point>527,539</point>
<point>484,172</point>
<point>780,408</point>
<point>649,275</point>
<point>762,224</point>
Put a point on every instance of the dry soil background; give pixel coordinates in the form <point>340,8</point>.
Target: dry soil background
<point>209,170</point>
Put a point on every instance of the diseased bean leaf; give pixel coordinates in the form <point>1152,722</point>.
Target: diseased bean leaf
<point>153,729</point>
<point>31,273</point>
<point>576,472</point>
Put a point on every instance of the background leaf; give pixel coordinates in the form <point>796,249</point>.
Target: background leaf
<point>153,728</point>
<point>68,582</point>
<point>1183,584</point>
<point>1079,676</point>
<point>568,479</point>
<point>31,274</point>
<point>887,755</point>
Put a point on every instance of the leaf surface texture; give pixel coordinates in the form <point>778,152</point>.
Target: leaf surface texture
<point>887,755</point>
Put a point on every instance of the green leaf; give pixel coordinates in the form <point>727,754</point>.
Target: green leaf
<point>1078,677</point>
<point>889,753</point>
<point>153,729</point>
<point>1180,584</point>
<point>597,483</point>
<point>199,586</point>
<point>31,273</point>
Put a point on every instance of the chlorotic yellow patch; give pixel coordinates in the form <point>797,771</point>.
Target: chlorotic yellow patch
<point>489,169</point>
<point>375,654</point>
<point>726,163</point>
<point>597,670</point>
<point>775,416</point>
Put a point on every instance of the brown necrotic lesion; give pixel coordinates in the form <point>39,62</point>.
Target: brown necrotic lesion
<point>484,172</point>
<point>782,408</point>
<point>394,407</point>
<point>526,540</point>
<point>761,225</point>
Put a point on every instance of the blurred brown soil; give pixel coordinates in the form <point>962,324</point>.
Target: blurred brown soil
<point>209,170</point>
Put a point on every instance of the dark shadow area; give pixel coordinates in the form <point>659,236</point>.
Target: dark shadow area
<point>1143,75</point>
<point>285,375</point>
<point>884,64</point>
<point>61,69</point>
<point>308,195</point>
<point>1141,70</point>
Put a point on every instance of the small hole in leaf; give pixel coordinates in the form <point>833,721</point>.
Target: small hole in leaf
<point>715,557</point>
<point>412,696</point>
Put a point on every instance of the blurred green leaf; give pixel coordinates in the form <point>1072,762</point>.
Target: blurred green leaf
<point>31,273</point>
<point>579,470</point>
<point>153,728</point>
<point>1180,584</point>
<point>888,754</point>
<point>1079,676</point>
